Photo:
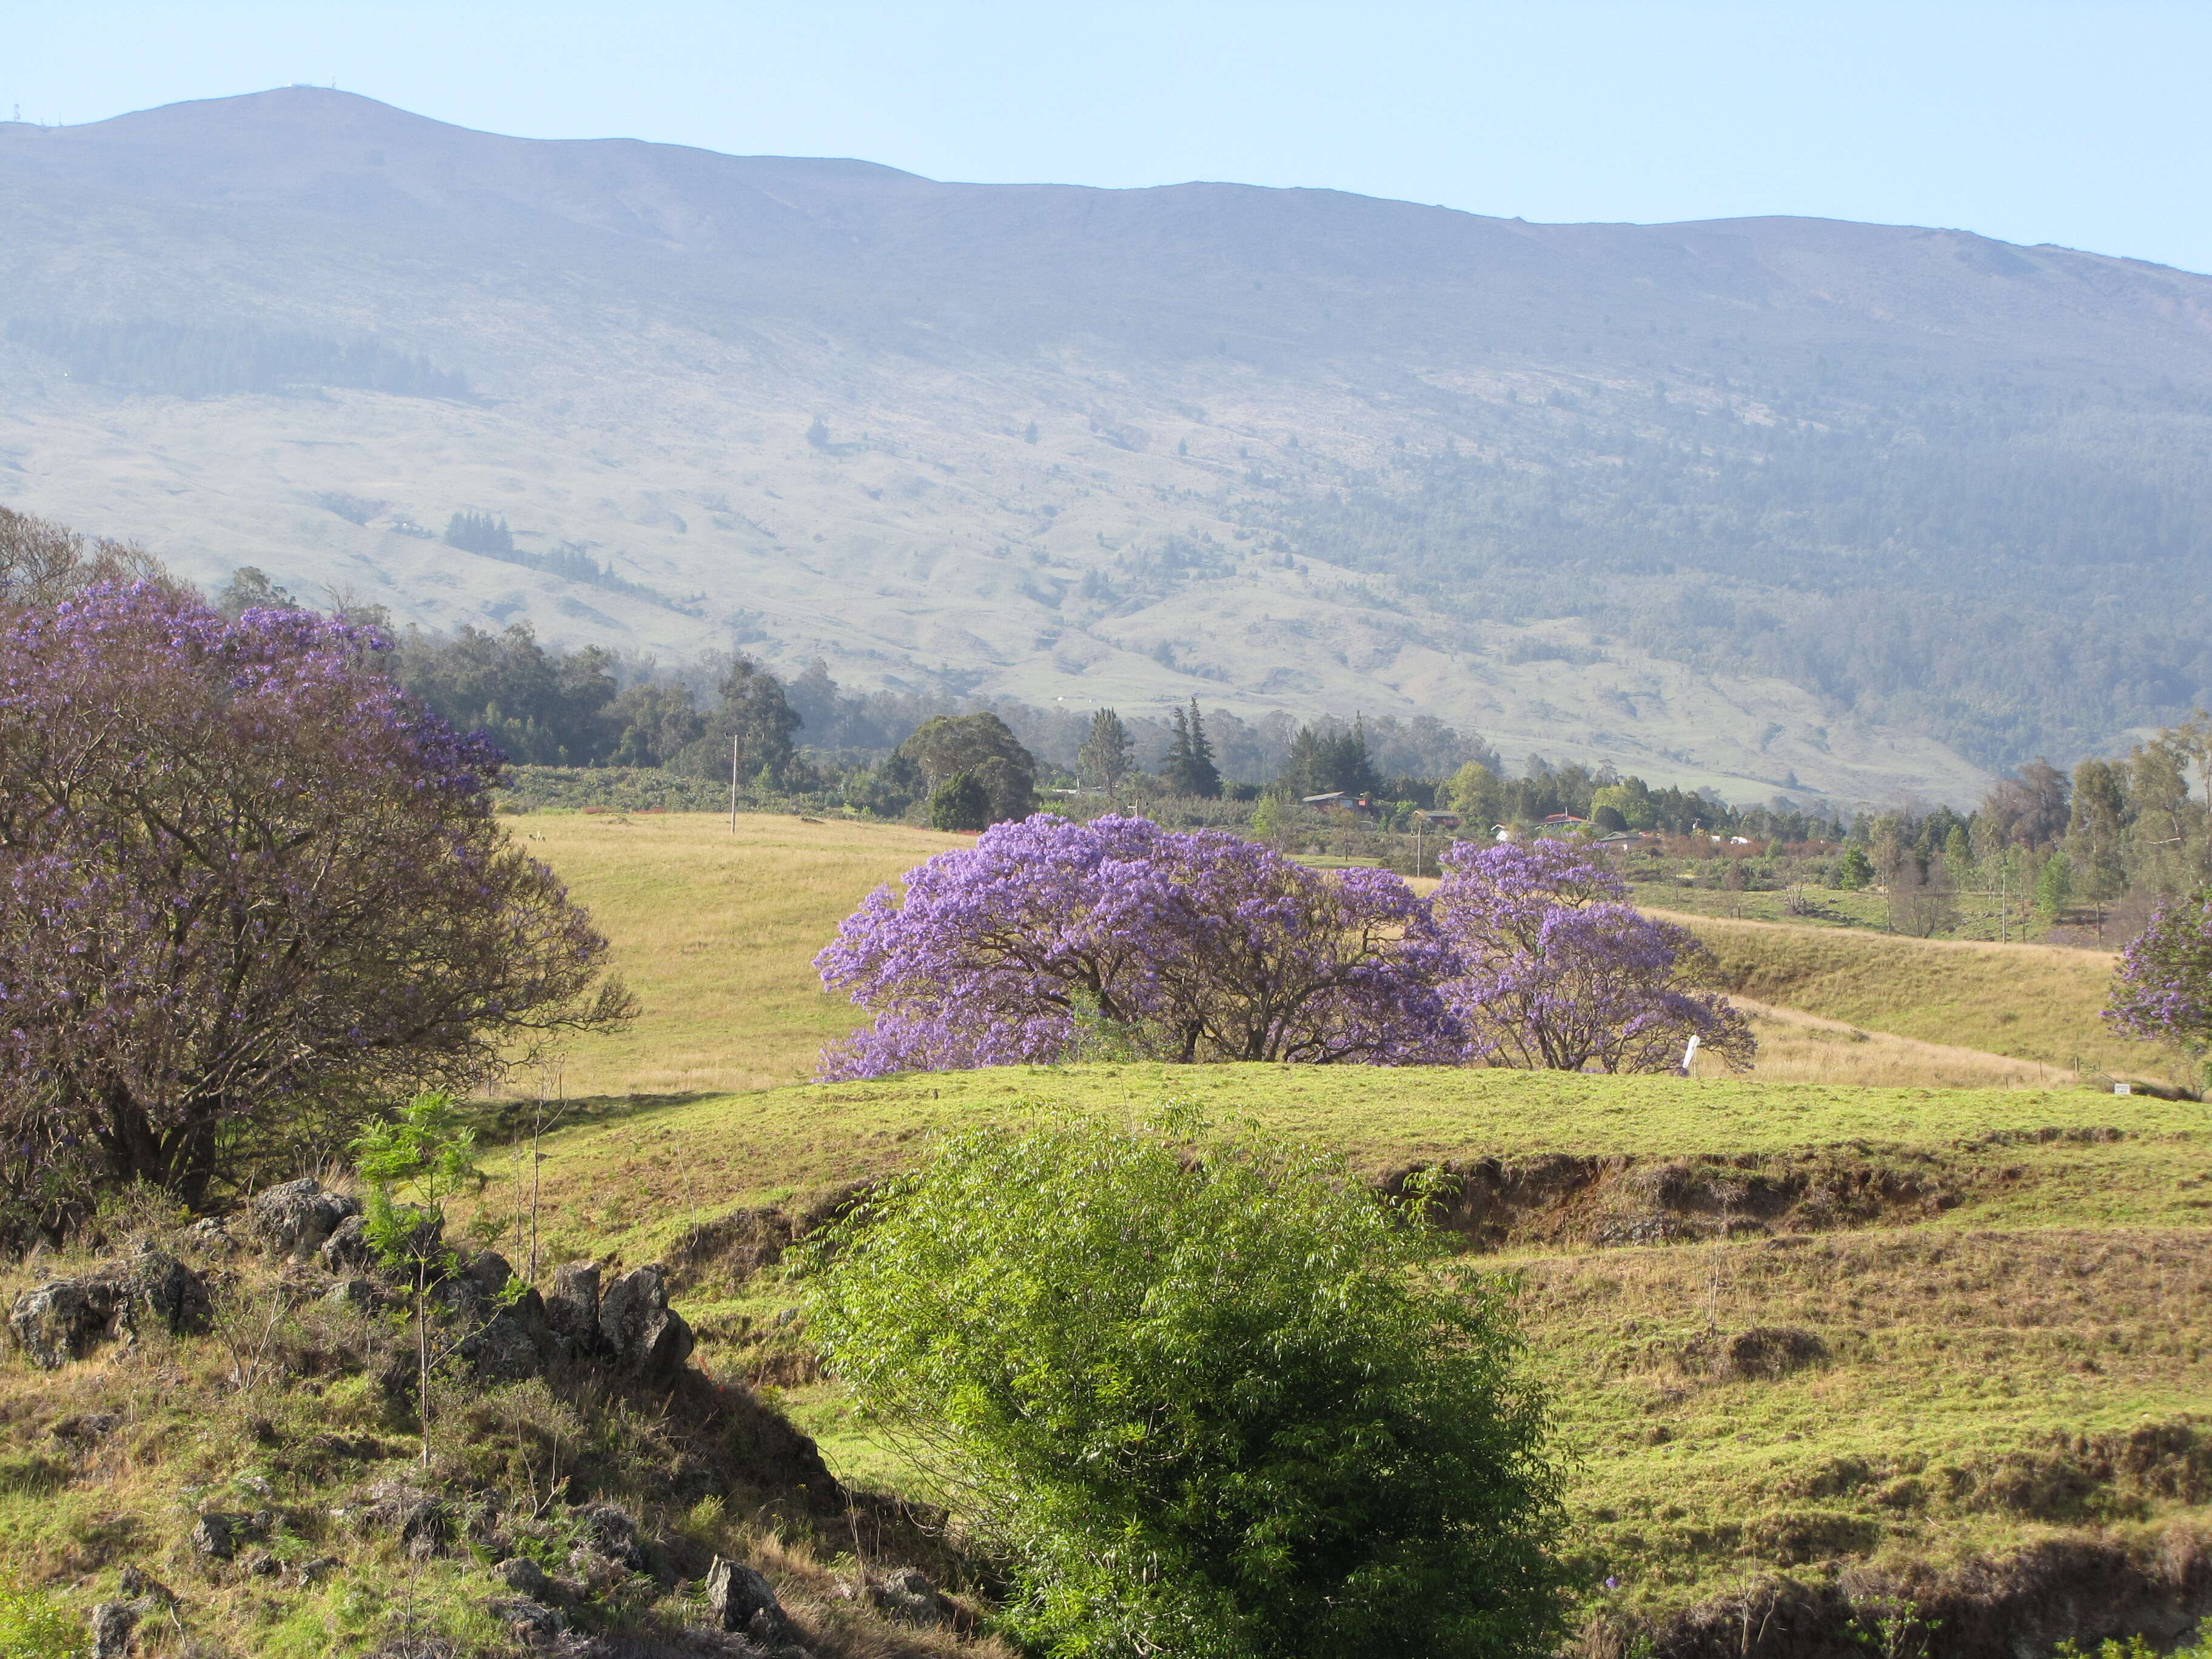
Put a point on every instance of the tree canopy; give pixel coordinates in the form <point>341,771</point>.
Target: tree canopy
<point>1556,970</point>
<point>1188,767</point>
<point>249,886</point>
<point>982,746</point>
<point>1190,946</point>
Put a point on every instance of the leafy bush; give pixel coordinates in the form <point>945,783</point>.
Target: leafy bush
<point>1206,1396</point>
<point>33,1625</point>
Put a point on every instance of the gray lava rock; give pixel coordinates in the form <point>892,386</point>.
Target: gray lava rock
<point>62,1320</point>
<point>525,1618</point>
<point>346,1250</point>
<point>415,1515</point>
<point>743,1600</point>
<point>210,1235</point>
<point>487,1270</point>
<point>217,1535</point>
<point>524,1578</point>
<point>294,1219</point>
<point>315,1570</point>
<point>142,1586</point>
<point>173,1294</point>
<point>85,1428</point>
<point>112,1624</point>
<point>573,1309</point>
<point>423,1529</point>
<point>505,1349</point>
<point>637,1327</point>
<point>906,1594</point>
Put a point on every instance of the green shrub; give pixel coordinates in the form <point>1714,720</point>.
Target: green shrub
<point>2199,1646</point>
<point>1206,1396</point>
<point>33,1625</point>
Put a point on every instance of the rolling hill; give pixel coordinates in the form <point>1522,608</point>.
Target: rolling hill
<point>1772,505</point>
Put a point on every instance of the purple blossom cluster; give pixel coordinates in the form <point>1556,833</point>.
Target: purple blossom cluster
<point>2163,990</point>
<point>1201,946</point>
<point>1555,970</point>
<point>243,880</point>
<point>1189,946</point>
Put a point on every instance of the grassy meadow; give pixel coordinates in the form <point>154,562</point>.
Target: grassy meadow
<point>2027,1002</point>
<point>717,933</point>
<point>1783,1325</point>
<point>1794,1323</point>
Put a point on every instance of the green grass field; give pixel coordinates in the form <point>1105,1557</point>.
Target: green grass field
<point>1973,1303</point>
<point>2037,1002</point>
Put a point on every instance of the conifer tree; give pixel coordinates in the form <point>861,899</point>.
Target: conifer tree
<point>1108,753</point>
<point>1188,769</point>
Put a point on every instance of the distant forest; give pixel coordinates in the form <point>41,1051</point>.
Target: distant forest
<point>2014,569</point>
<point>183,360</point>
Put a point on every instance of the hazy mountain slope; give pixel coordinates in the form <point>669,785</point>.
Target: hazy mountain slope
<point>1772,504</point>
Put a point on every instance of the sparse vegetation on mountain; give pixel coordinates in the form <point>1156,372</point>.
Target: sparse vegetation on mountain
<point>1705,501</point>
<point>191,361</point>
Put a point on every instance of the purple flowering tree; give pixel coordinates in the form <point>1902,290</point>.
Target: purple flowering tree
<point>246,888</point>
<point>1195,945</point>
<point>1557,970</point>
<point>2163,990</point>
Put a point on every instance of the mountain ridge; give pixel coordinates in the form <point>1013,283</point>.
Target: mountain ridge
<point>1277,449</point>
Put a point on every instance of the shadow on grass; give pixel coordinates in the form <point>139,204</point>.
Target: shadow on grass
<point>502,1122</point>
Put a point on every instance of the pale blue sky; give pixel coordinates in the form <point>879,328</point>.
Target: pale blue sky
<point>2080,124</point>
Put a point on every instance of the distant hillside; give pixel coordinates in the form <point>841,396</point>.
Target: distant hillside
<point>1775,504</point>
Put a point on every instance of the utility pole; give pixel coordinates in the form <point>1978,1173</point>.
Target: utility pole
<point>735,740</point>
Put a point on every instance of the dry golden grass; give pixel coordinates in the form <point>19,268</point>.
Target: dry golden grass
<point>716,933</point>
<point>1962,1390</point>
<point>1795,1047</point>
<point>2028,1002</point>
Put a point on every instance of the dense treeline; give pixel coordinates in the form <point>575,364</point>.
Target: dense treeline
<point>2100,848</point>
<point>2015,573</point>
<point>184,361</point>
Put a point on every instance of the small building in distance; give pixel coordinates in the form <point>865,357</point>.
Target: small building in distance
<point>1338,800</point>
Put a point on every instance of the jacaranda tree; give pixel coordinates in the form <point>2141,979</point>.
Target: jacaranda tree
<point>1557,970</point>
<point>246,888</point>
<point>1184,945</point>
<point>2163,990</point>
